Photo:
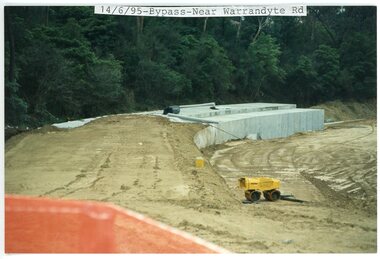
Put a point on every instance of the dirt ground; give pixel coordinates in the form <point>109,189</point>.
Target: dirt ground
<point>147,164</point>
<point>348,110</point>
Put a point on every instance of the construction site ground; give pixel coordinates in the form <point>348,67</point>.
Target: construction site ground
<point>147,164</point>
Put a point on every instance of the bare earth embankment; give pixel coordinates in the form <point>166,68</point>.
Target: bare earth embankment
<point>147,164</point>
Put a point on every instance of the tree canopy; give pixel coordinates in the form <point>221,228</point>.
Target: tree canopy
<point>67,62</point>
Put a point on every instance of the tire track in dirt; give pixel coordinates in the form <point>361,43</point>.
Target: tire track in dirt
<point>301,160</point>
<point>350,156</point>
<point>64,190</point>
<point>91,184</point>
<point>297,161</point>
<point>151,170</point>
<point>247,160</point>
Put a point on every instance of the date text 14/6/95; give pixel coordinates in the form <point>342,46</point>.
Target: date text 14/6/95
<point>288,10</point>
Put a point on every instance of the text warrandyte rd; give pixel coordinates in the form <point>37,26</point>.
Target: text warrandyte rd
<point>217,11</point>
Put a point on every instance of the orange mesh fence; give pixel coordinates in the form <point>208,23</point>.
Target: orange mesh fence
<point>41,225</point>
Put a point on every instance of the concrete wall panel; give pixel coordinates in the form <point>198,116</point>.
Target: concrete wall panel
<point>267,124</point>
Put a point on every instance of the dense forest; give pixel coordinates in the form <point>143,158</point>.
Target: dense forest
<point>64,63</point>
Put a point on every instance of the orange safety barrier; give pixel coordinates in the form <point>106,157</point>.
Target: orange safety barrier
<point>42,225</point>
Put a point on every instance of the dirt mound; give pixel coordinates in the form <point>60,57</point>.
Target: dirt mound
<point>147,158</point>
<point>147,164</point>
<point>340,111</point>
<point>15,135</point>
<point>12,131</point>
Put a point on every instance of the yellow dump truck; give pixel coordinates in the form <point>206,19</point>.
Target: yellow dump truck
<point>253,187</point>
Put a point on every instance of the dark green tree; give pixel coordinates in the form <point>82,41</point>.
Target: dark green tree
<point>303,83</point>
<point>263,68</point>
<point>326,62</point>
<point>207,66</point>
<point>67,62</point>
<point>157,85</point>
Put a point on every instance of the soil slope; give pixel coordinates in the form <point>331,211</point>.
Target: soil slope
<point>147,164</point>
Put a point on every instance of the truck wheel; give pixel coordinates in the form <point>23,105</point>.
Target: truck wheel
<point>274,195</point>
<point>247,195</point>
<point>266,195</point>
<point>255,196</point>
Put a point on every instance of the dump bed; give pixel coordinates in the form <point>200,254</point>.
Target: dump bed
<point>259,183</point>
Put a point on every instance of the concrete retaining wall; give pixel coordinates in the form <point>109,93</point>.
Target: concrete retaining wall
<point>199,111</point>
<point>266,124</point>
